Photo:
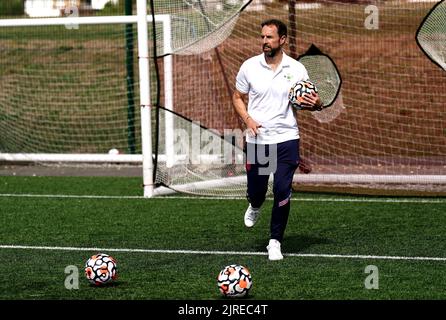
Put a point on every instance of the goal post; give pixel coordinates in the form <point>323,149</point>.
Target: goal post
<point>146,122</point>
<point>146,155</point>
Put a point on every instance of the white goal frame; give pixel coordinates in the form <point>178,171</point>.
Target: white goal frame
<point>141,19</point>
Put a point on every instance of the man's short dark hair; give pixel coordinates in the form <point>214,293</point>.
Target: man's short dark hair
<point>281,27</point>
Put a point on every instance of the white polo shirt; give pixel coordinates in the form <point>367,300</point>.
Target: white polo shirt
<point>268,97</point>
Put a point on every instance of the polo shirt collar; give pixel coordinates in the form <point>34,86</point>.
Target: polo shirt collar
<point>284,63</point>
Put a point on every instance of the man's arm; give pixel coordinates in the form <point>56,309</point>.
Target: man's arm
<point>238,100</point>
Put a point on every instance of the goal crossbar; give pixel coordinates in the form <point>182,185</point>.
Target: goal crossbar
<point>78,20</point>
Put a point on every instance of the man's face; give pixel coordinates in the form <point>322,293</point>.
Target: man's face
<point>272,43</point>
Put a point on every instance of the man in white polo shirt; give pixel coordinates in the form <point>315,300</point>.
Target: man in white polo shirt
<point>272,132</point>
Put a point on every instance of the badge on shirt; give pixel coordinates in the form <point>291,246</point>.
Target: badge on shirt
<point>288,76</point>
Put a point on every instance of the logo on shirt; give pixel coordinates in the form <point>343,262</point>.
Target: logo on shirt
<point>288,76</point>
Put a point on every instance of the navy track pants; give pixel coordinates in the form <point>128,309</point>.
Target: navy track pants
<point>281,160</point>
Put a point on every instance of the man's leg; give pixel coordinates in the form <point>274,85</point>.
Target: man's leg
<point>257,185</point>
<point>287,162</point>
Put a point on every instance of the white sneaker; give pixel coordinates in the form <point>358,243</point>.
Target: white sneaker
<point>251,216</point>
<point>274,252</point>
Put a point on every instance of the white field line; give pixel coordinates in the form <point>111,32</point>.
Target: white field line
<point>378,200</point>
<point>243,253</point>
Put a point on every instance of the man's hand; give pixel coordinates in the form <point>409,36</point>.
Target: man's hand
<point>238,100</point>
<point>312,102</point>
<point>252,126</point>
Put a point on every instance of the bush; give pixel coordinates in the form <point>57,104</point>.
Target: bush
<point>12,8</point>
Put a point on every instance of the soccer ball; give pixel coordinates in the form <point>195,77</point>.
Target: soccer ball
<point>100,269</point>
<point>234,281</point>
<point>297,91</point>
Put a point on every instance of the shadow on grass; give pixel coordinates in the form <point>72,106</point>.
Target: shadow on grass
<point>111,284</point>
<point>296,243</point>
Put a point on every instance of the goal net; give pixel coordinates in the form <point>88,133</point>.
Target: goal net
<point>68,89</point>
<point>431,35</point>
<point>385,130</point>
<point>64,91</point>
